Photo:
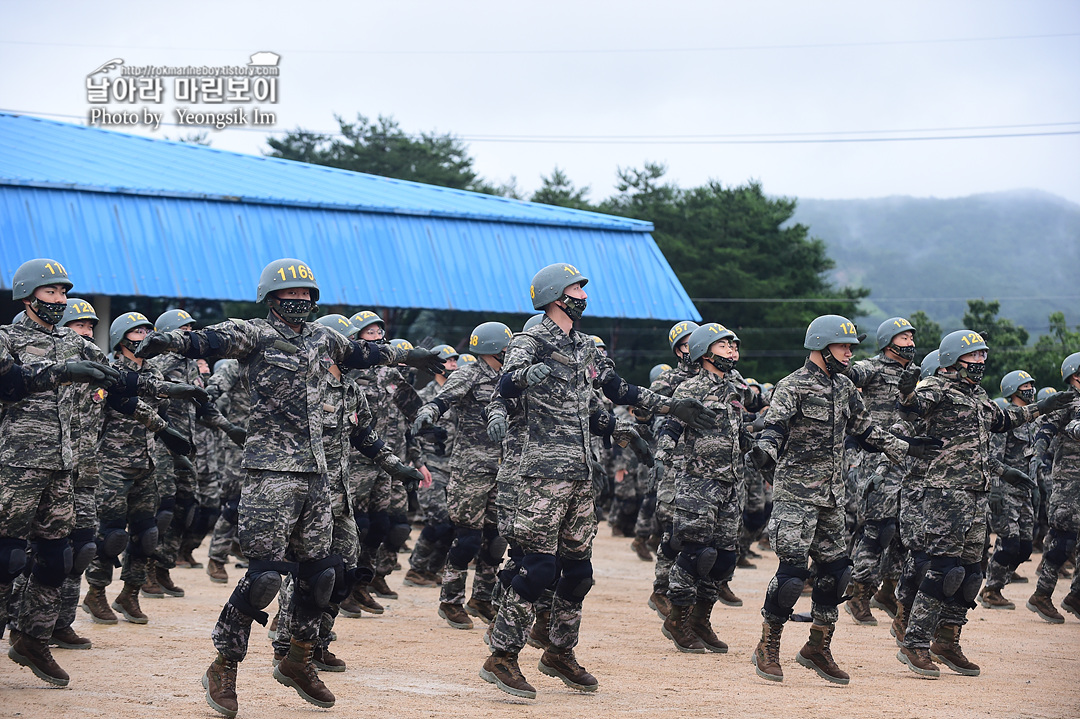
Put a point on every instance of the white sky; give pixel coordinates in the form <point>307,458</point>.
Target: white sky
<point>624,68</point>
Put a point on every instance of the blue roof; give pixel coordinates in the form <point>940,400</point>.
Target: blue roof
<point>129,215</point>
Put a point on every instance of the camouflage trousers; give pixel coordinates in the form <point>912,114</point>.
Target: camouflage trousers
<point>645,523</point>
<point>370,493</point>
<point>429,552</point>
<point>125,496</point>
<point>876,552</point>
<point>954,525</point>
<point>471,506</point>
<point>1011,518</point>
<point>232,478</point>
<point>1063,516</point>
<point>85,518</point>
<point>282,515</point>
<point>183,486</point>
<point>800,532</point>
<point>387,554</point>
<point>432,499</point>
<point>665,511</point>
<point>707,515</point>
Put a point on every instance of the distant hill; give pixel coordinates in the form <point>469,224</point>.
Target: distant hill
<point>1020,244</point>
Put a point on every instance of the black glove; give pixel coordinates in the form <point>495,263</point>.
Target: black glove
<point>1055,401</point>
<point>175,441</point>
<point>152,345</point>
<point>94,373</point>
<point>997,502</point>
<point>908,379</point>
<point>182,464</point>
<point>179,390</point>
<point>237,434</point>
<point>641,448</point>
<point>759,422</point>
<point>536,374</point>
<point>760,458</point>
<point>425,360</point>
<point>922,446</point>
<point>497,428</point>
<point>693,413</point>
<point>424,418</point>
<point>1017,478</point>
<point>409,476</point>
<point>598,469</point>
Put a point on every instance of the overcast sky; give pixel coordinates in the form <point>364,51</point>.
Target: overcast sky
<point>678,77</point>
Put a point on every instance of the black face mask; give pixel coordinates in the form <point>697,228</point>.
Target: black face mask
<point>724,364</point>
<point>905,353</point>
<point>48,312</point>
<point>1028,395</point>
<point>834,365</point>
<point>574,308</point>
<point>294,311</point>
<point>973,371</point>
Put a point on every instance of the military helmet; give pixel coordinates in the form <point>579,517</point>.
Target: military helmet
<point>679,331</point>
<point>1001,402</point>
<point>77,309</point>
<point>286,273</point>
<point>465,358</point>
<point>548,284</point>
<point>1010,383</point>
<point>1044,393</point>
<point>957,344</point>
<point>445,352</point>
<point>703,337</point>
<point>340,323</point>
<point>37,273</point>
<point>890,328</point>
<point>363,318</point>
<point>658,370</point>
<point>124,324</point>
<point>532,322</point>
<point>1070,366</point>
<point>598,341</point>
<point>830,329</point>
<point>402,343</point>
<point>490,338</point>
<point>930,365</point>
<point>221,363</point>
<point>173,320</point>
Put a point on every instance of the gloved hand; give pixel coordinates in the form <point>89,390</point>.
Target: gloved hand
<point>497,428</point>
<point>152,345</point>
<point>409,476</point>
<point>1055,401</point>
<point>641,448</point>
<point>179,390</point>
<point>693,413</point>
<point>598,469</point>
<point>908,379</point>
<point>761,459</point>
<point>175,441</point>
<point>94,373</point>
<point>425,360</point>
<point>536,374</point>
<point>1017,478</point>
<point>182,464</point>
<point>237,434</point>
<point>759,422</point>
<point>922,446</point>
<point>997,501</point>
<point>424,418</point>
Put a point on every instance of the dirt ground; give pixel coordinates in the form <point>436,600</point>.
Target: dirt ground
<point>409,663</point>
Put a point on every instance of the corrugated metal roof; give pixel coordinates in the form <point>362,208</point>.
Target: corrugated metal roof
<point>165,244</point>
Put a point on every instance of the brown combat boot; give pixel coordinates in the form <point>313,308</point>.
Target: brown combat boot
<point>538,635</point>
<point>481,608</point>
<point>381,588</point>
<point>35,654</point>
<point>360,600</point>
<point>455,615</point>
<point>561,664</point>
<point>660,604</point>
<point>726,596</point>
<point>859,605</point>
<point>186,560</point>
<point>502,670</point>
<point>150,588</point>
<point>97,606</point>
<point>1071,603</point>
<point>899,624</point>
<point>220,684</point>
<point>641,548</point>
<point>414,578</point>
<point>743,562</point>
<point>919,661</point>
<point>1042,605</point>
<point>766,657</point>
<point>127,603</point>
<point>701,626</point>
<point>1016,578</point>
<point>885,597</point>
<point>167,584</point>
<point>216,571</point>
<point>992,599</point>
<point>66,638</point>
<point>677,628</point>
<point>816,654</point>
<point>326,661</point>
<point>297,671</point>
<point>946,649</point>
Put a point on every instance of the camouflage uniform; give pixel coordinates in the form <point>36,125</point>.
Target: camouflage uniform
<point>429,552</point>
<point>229,385</point>
<point>1062,432</point>
<point>631,480</point>
<point>1012,514</point>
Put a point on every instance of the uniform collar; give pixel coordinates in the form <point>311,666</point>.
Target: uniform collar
<point>29,323</point>
<point>284,330</point>
<point>811,367</point>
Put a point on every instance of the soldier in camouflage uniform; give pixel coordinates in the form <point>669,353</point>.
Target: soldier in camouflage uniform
<point>209,475</point>
<point>953,503</point>
<point>811,413</point>
<point>285,505</point>
<point>1061,431</point>
<point>473,467</point>
<point>554,369</point>
<point>228,387</point>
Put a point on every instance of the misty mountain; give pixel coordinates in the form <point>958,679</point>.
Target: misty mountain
<point>933,254</point>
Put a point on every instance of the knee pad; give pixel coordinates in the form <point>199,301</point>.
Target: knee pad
<point>52,561</point>
<point>670,545</point>
<point>509,570</point>
<point>466,546</point>
<point>576,579</point>
<point>724,568</point>
<point>263,584</point>
<point>144,537</point>
<point>1024,550</point>
<point>184,516</point>
<point>943,578</point>
<point>969,589</point>
<point>165,514</point>
<point>886,532</point>
<point>363,525</point>
<point>785,588</point>
<point>1059,546</point>
<point>397,533</point>
<point>493,547</point>
<point>12,558</point>
<point>697,559</point>
<point>379,527</point>
<point>319,579</point>
<point>436,533</point>
<point>535,574</point>
<point>1009,553</point>
<point>231,510</point>
<point>754,521</point>
<point>83,549</point>
<point>111,542</point>
<point>205,519</point>
<point>833,578</point>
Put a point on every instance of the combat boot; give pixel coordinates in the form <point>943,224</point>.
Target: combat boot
<point>127,603</point>
<point>455,615</point>
<point>660,604</point>
<point>899,624</point>
<point>885,597</point>
<point>216,571</point>
<point>919,661</point>
<point>481,608</point>
<point>167,584</point>
<point>381,588</point>
<point>66,638</point>
<point>743,562</point>
<point>297,671</point>
<point>187,560</point>
<point>1016,578</point>
<point>502,670</point>
<point>640,546</point>
<point>859,605</point>
<point>946,649</point>
<point>726,596</point>
<point>97,606</point>
<point>414,578</point>
<point>35,654</point>
<point>1043,605</point>
<point>360,600</point>
<point>991,599</point>
<point>561,664</point>
<point>220,684</point>
<point>150,588</point>
<point>816,654</point>
<point>1071,603</point>
<point>766,657</point>
<point>538,635</point>
<point>326,661</point>
<point>701,626</point>
<point>676,628</point>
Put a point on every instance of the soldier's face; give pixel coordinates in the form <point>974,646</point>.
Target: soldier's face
<point>138,334</point>
<point>294,293</point>
<point>186,328</point>
<point>82,327</point>
<point>904,339</point>
<point>976,357</point>
<point>682,348</point>
<point>576,291</point>
<point>841,352</point>
<point>724,348</point>
<point>51,293</point>
<point>372,333</point>
<point>450,364</point>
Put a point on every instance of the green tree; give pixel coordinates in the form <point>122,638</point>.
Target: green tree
<point>557,189</point>
<point>1043,360</point>
<point>1005,339</point>
<point>927,332</point>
